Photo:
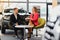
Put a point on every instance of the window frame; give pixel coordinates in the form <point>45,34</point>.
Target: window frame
<point>47,10</point>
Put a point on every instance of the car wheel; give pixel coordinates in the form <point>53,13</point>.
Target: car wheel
<point>3,29</point>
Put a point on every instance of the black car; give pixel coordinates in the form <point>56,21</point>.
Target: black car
<point>6,18</point>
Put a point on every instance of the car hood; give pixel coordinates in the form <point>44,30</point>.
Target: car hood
<point>18,13</point>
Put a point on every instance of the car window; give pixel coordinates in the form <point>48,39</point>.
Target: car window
<point>8,10</point>
<point>22,11</point>
<point>11,11</point>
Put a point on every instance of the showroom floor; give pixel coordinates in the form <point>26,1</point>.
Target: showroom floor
<point>10,36</point>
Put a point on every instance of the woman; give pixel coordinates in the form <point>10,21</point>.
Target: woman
<point>34,16</point>
<point>33,19</point>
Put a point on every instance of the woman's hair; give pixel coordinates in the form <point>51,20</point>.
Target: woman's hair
<point>35,9</point>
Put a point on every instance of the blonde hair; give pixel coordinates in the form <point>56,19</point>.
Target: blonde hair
<point>35,9</point>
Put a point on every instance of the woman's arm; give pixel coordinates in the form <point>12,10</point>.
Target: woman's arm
<point>35,17</point>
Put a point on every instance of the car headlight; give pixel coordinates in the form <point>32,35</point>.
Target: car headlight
<point>6,17</point>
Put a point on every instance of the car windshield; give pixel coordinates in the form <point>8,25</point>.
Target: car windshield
<point>11,11</point>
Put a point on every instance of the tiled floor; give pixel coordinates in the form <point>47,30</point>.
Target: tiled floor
<point>10,36</point>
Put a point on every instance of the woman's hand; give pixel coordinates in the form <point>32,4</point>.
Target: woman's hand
<point>16,24</point>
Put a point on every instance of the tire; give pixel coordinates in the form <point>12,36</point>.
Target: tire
<point>3,29</point>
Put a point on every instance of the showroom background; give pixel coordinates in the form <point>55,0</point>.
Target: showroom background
<point>26,5</point>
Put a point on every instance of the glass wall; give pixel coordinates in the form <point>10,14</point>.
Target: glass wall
<point>28,5</point>
<point>37,1</point>
<point>49,1</point>
<point>40,6</point>
<point>49,10</point>
<point>18,5</point>
<point>19,0</point>
<point>15,0</point>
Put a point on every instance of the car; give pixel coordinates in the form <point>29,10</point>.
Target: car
<point>6,18</point>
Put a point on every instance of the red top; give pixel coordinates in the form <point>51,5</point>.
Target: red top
<point>34,18</point>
